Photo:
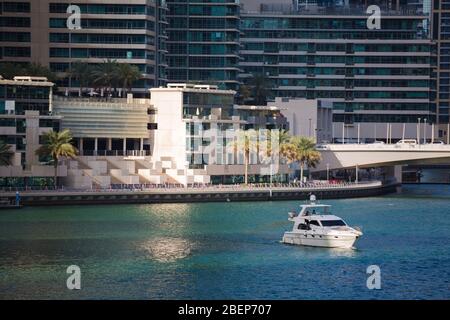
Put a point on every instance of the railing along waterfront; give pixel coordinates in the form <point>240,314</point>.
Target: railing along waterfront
<point>314,185</point>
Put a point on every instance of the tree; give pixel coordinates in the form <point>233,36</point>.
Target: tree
<point>5,154</point>
<point>10,70</point>
<point>38,70</point>
<point>259,86</point>
<point>82,72</point>
<point>244,93</point>
<point>57,145</point>
<point>246,142</point>
<point>283,138</point>
<point>127,74</point>
<point>104,74</point>
<point>304,152</point>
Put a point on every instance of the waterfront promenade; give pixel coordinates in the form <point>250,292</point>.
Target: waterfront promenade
<point>200,193</point>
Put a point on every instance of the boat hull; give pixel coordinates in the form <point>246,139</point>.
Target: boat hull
<point>325,241</point>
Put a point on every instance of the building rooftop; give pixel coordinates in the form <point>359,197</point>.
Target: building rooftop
<point>193,87</point>
<point>269,108</point>
<point>27,80</point>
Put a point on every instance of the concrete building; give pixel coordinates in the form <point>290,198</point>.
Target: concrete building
<point>109,127</point>
<point>25,115</point>
<point>128,31</point>
<point>195,126</point>
<point>323,50</point>
<point>308,118</point>
<point>180,136</point>
<point>441,35</point>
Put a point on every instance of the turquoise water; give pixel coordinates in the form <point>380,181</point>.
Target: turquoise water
<point>226,251</point>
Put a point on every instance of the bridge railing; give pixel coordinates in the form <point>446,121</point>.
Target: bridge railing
<point>387,147</point>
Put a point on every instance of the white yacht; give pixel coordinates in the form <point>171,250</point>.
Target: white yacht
<point>315,226</point>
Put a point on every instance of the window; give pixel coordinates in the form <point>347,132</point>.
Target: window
<point>16,7</point>
<point>332,223</point>
<point>59,52</point>
<point>302,226</point>
<point>15,36</point>
<point>17,51</point>
<point>15,22</point>
<point>314,222</point>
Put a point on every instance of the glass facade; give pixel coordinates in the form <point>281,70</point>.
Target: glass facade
<point>315,49</point>
<point>203,42</point>
<point>15,38</point>
<point>441,33</point>
<point>133,33</point>
<point>370,75</point>
<point>130,32</point>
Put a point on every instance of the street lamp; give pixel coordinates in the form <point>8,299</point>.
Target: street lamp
<point>309,132</point>
<point>271,174</point>
<point>425,130</point>
<point>186,167</point>
<point>418,130</point>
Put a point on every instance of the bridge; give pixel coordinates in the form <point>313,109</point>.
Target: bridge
<point>347,156</point>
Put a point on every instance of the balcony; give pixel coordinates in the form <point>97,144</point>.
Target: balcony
<point>286,9</point>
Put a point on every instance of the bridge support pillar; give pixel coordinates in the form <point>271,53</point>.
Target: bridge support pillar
<point>357,174</point>
<point>394,172</point>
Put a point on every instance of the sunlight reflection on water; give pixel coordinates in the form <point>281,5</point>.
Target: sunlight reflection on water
<point>167,249</point>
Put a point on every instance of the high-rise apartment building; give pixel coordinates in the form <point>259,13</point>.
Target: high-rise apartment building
<point>372,77</point>
<point>441,34</point>
<point>127,31</point>
<point>203,42</point>
<point>315,49</point>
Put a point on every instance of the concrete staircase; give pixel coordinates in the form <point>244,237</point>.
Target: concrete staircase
<point>122,171</point>
<point>100,172</point>
<point>83,175</point>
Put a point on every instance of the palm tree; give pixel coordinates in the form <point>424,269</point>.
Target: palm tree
<point>244,93</point>
<point>283,138</point>
<point>9,70</point>
<point>304,151</point>
<point>39,70</point>
<point>81,71</point>
<point>57,145</point>
<point>245,142</point>
<point>259,86</point>
<point>5,153</point>
<point>127,74</point>
<point>105,74</point>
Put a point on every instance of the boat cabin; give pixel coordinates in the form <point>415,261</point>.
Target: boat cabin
<point>315,215</point>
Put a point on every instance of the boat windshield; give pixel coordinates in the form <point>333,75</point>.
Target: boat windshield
<point>316,211</point>
<point>332,223</point>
